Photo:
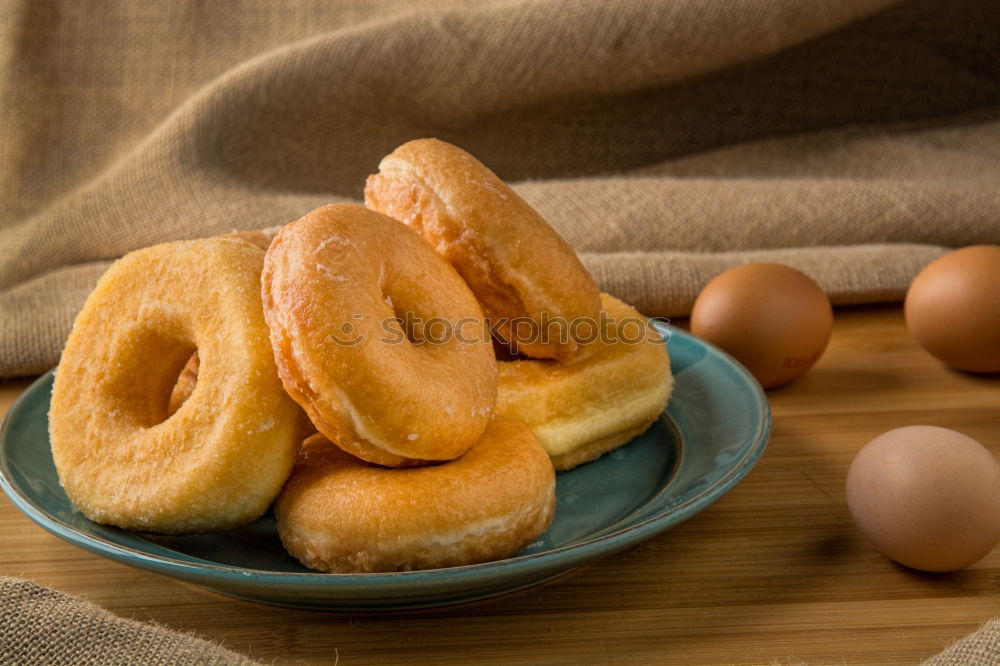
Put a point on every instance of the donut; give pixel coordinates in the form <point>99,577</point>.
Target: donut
<point>189,375</point>
<point>585,406</point>
<point>340,514</point>
<point>222,457</point>
<point>377,337</point>
<point>529,281</point>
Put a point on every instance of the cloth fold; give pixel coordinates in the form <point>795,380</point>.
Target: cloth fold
<point>667,141</point>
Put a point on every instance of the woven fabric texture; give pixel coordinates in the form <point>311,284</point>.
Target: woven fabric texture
<point>666,140</point>
<point>40,626</point>
<point>980,648</point>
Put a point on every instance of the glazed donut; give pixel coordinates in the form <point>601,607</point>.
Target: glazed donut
<point>586,406</point>
<point>340,514</point>
<point>528,279</point>
<point>339,288</point>
<point>220,460</point>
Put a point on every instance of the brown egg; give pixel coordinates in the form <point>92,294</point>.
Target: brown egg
<point>773,319</point>
<point>953,308</point>
<point>926,497</point>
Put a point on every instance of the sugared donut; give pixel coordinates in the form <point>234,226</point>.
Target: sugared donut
<point>344,290</point>
<point>217,462</point>
<point>528,279</point>
<point>585,406</point>
<point>189,375</point>
<point>343,515</point>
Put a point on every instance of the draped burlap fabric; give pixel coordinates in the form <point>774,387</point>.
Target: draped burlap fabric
<point>41,626</point>
<point>667,140</point>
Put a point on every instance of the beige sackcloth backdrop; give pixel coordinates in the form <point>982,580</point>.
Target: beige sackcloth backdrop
<point>666,140</point>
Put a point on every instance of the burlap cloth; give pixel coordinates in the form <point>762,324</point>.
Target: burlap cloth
<point>666,140</point>
<point>40,626</point>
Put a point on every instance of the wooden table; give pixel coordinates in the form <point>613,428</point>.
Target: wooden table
<point>773,572</point>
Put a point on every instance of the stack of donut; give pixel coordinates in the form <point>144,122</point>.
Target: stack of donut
<point>349,375</point>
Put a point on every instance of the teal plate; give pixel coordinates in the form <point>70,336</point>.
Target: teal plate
<point>710,436</point>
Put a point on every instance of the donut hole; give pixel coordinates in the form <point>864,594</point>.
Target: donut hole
<point>413,316</point>
<point>147,367</point>
<point>184,385</point>
<point>426,323</point>
<point>421,306</point>
<point>402,323</point>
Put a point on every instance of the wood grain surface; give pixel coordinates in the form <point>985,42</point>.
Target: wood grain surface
<point>775,572</point>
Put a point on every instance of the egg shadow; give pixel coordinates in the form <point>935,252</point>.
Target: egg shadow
<point>962,582</point>
<point>842,380</point>
<point>984,378</point>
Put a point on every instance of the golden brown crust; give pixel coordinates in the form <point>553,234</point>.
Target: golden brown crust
<point>222,457</point>
<point>340,514</point>
<point>596,448</point>
<point>590,404</point>
<point>189,375</point>
<point>518,267</point>
<point>333,286</point>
